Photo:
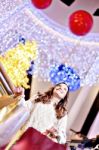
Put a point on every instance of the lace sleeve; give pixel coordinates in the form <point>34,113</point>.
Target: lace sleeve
<point>61,129</point>
<point>30,103</point>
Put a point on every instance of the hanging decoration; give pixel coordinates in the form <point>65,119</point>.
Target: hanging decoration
<point>41,4</point>
<point>80,22</point>
<point>63,73</point>
<point>17,61</point>
<point>22,39</point>
<point>31,69</point>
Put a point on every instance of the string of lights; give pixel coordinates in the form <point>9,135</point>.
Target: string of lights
<point>56,44</point>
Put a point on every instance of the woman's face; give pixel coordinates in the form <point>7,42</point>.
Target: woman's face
<point>60,90</point>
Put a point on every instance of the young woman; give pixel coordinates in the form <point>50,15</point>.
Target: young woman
<point>46,113</point>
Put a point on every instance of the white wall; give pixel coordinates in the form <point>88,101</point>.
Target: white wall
<point>80,109</point>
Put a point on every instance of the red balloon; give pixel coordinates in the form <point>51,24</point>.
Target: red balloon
<point>80,22</point>
<point>41,4</point>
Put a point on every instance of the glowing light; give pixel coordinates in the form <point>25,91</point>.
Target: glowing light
<point>56,45</point>
<point>17,60</point>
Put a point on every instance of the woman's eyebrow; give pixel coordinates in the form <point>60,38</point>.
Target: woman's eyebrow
<point>58,86</point>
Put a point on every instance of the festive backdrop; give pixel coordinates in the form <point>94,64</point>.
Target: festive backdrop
<point>56,44</point>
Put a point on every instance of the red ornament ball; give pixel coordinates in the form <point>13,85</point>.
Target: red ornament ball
<point>41,4</point>
<point>80,22</point>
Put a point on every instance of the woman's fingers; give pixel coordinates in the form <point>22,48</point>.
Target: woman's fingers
<point>46,132</point>
<point>53,129</point>
<point>19,91</point>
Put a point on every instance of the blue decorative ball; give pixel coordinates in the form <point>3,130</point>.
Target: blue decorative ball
<point>63,73</point>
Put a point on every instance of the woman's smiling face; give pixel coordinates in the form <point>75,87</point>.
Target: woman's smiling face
<point>60,90</point>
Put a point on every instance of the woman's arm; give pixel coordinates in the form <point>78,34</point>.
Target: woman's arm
<point>61,129</point>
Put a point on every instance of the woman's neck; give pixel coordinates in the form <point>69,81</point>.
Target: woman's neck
<point>55,100</point>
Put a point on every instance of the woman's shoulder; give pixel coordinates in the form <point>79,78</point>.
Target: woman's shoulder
<point>32,98</point>
<point>64,118</point>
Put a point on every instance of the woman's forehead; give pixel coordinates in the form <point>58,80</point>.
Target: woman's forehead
<point>62,84</point>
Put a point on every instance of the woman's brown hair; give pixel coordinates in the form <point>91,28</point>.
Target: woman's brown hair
<point>61,107</point>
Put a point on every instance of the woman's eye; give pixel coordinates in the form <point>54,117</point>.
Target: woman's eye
<point>58,87</point>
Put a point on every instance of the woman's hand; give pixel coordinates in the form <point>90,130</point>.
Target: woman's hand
<point>52,132</point>
<point>19,91</point>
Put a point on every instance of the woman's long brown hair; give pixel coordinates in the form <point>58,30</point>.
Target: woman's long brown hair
<point>61,107</point>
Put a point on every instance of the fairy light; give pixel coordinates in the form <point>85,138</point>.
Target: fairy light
<point>56,45</point>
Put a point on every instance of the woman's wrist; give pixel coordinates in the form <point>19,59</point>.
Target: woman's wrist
<point>18,91</point>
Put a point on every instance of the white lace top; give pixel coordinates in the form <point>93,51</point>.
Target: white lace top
<point>43,117</point>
